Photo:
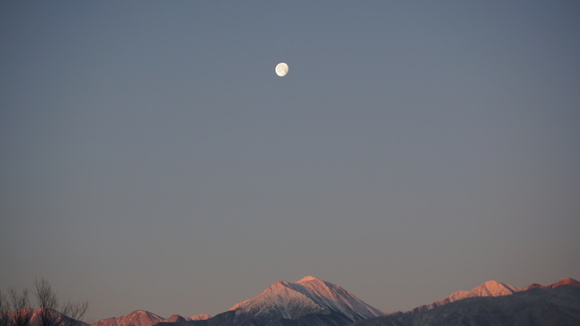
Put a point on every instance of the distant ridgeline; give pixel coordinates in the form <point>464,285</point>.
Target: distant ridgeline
<point>314,302</point>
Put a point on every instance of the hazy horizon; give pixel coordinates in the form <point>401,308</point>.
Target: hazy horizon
<point>151,158</point>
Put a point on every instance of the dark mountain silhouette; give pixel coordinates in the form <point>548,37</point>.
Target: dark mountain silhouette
<point>552,306</point>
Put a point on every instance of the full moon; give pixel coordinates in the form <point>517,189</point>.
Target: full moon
<point>281,69</point>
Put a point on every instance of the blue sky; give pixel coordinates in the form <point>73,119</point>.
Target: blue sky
<point>151,159</point>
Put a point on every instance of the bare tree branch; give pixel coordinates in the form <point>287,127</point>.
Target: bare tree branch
<point>4,310</point>
<point>20,307</point>
<point>45,296</point>
<point>15,308</point>
<point>47,302</point>
<point>74,310</point>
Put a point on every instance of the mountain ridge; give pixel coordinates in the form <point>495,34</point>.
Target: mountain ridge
<point>314,302</point>
<point>493,289</point>
<point>146,318</point>
<point>39,317</point>
<point>135,318</point>
<point>558,305</point>
<point>309,295</point>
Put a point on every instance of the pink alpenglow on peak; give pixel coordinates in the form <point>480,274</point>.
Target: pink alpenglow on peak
<point>487,289</point>
<point>40,316</point>
<point>495,289</point>
<point>309,295</point>
<point>564,281</point>
<point>199,317</point>
<point>309,278</point>
<point>136,318</point>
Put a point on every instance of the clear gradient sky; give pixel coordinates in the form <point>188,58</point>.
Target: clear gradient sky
<point>151,159</point>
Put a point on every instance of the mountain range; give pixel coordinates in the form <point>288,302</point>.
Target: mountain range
<point>314,302</point>
<point>309,301</point>
<point>38,317</point>
<point>494,289</point>
<point>537,306</point>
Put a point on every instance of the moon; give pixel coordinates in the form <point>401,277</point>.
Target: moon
<point>281,69</point>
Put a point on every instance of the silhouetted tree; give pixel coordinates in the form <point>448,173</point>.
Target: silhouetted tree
<point>50,306</point>
<point>74,310</point>
<point>15,309</point>
<point>20,307</point>
<point>4,309</point>
<point>47,303</point>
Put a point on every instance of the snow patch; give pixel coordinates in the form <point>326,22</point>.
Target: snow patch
<point>307,296</point>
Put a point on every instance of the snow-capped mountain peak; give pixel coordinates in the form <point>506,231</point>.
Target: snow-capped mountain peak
<point>564,281</point>
<point>199,317</point>
<point>309,278</point>
<point>487,289</point>
<point>137,318</point>
<point>309,295</point>
<point>493,289</point>
<point>280,298</point>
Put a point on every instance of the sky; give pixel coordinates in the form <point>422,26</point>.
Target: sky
<point>150,157</point>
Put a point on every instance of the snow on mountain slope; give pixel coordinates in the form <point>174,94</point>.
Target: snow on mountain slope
<point>136,318</point>
<point>39,317</point>
<point>199,317</point>
<point>538,307</point>
<point>310,295</point>
<point>564,281</point>
<point>309,301</point>
<point>487,289</point>
<point>337,298</point>
<point>495,289</point>
<point>280,298</point>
